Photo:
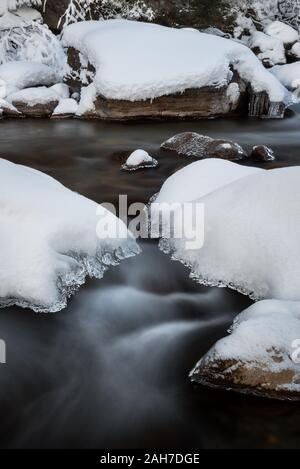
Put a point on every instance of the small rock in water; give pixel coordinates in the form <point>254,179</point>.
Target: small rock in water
<point>226,150</point>
<point>139,159</point>
<point>262,153</point>
<point>261,356</point>
<point>201,146</point>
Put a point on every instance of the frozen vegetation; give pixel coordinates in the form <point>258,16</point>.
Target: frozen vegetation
<point>52,239</point>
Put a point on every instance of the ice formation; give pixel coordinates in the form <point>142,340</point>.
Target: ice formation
<point>173,60</point>
<point>251,229</point>
<point>51,239</point>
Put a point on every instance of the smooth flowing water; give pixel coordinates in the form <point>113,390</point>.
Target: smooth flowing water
<point>112,369</point>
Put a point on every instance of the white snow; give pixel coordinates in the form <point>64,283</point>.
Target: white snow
<point>62,90</point>
<point>295,50</point>
<point>26,74</point>
<point>51,239</point>
<point>5,105</point>
<point>139,159</point>
<point>200,178</point>
<point>233,93</point>
<point>34,96</point>
<point>266,329</point>
<point>282,31</point>
<point>288,75</point>
<point>66,106</point>
<point>252,232</point>
<point>173,60</point>
<point>87,99</point>
<point>272,48</point>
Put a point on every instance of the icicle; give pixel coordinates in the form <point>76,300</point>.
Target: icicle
<point>260,106</point>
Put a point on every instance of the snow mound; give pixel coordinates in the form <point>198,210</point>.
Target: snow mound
<point>139,159</point>
<point>252,232</point>
<point>282,31</point>
<point>33,96</point>
<point>288,75</point>
<point>62,90</point>
<point>271,49</point>
<point>191,183</point>
<point>262,353</point>
<point>173,60</point>
<point>66,107</point>
<point>51,239</point>
<point>26,74</point>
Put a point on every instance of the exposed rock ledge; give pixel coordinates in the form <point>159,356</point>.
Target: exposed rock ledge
<point>207,102</point>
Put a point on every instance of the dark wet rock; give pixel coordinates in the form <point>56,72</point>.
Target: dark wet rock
<point>201,146</point>
<point>262,153</point>
<point>37,110</point>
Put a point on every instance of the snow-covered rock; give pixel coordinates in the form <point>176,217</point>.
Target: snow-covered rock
<point>51,239</point>
<point>173,60</point>
<point>35,102</point>
<point>7,109</point>
<point>288,75</point>
<point>139,159</point>
<point>192,144</point>
<point>262,354</point>
<point>66,108</point>
<point>192,183</point>
<point>252,232</point>
<point>282,31</point>
<point>26,74</point>
<point>271,49</point>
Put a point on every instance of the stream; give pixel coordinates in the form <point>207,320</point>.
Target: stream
<point>111,370</point>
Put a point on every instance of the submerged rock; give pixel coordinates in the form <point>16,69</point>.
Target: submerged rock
<point>139,159</point>
<point>262,153</point>
<point>260,356</point>
<point>201,146</point>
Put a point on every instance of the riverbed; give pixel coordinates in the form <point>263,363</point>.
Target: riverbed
<point>112,369</point>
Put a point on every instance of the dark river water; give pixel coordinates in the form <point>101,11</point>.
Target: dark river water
<point>112,369</point>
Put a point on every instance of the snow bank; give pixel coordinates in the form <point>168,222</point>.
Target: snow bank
<point>51,240</point>
<point>282,31</point>
<point>261,352</point>
<point>288,75</point>
<point>271,48</point>
<point>173,60</point>
<point>139,159</point>
<point>252,232</point>
<point>26,74</point>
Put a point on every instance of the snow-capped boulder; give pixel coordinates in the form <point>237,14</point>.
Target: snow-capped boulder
<point>202,146</point>
<point>270,50</point>
<point>35,102</point>
<point>26,74</point>
<point>288,75</point>
<point>262,154</point>
<point>162,88</point>
<point>52,239</point>
<point>282,31</point>
<point>139,159</point>
<point>191,183</point>
<point>66,108</point>
<point>251,231</point>
<point>261,356</point>
<point>295,51</point>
